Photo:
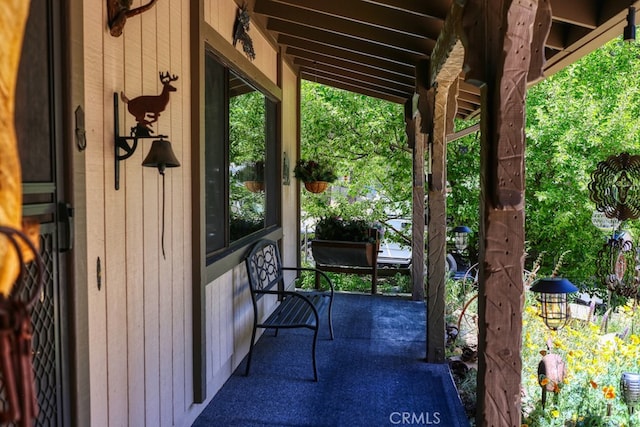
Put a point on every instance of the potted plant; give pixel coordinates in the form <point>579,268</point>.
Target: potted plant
<point>315,175</point>
<point>252,175</point>
<point>347,246</point>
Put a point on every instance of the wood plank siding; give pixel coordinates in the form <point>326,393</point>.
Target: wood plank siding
<point>140,322</point>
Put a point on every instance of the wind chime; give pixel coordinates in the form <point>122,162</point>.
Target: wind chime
<point>615,189</point>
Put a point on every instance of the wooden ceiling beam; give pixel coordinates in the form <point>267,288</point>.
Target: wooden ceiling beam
<point>360,90</point>
<point>314,73</point>
<point>463,86</point>
<point>580,43</point>
<point>556,38</point>
<point>373,15</point>
<point>436,9</point>
<point>349,43</point>
<point>328,64</point>
<point>382,64</point>
<point>352,52</point>
<point>347,65</point>
<point>584,13</point>
<point>305,64</point>
<point>465,105</point>
<point>272,9</point>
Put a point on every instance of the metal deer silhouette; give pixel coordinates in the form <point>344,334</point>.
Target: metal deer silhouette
<point>147,108</point>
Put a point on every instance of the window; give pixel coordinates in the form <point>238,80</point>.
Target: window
<point>241,159</point>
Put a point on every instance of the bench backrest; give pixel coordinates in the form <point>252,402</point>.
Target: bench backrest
<point>264,267</point>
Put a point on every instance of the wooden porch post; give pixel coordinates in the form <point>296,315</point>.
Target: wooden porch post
<point>417,251</point>
<point>417,221</point>
<point>499,42</point>
<point>444,111</point>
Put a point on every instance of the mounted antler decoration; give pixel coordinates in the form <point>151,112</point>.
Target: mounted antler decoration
<point>120,10</point>
<point>240,32</point>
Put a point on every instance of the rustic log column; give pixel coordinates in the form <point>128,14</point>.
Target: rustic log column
<point>417,221</point>
<point>499,43</point>
<point>445,107</point>
<point>421,124</point>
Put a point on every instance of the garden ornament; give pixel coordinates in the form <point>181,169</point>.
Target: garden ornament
<point>630,386</point>
<point>551,373</point>
<point>615,187</point>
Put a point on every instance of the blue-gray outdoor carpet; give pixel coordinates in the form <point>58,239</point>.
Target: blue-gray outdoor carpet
<point>372,374</point>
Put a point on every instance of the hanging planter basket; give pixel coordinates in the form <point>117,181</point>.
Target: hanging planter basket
<point>254,186</point>
<point>316,186</point>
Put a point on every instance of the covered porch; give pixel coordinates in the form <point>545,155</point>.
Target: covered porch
<point>373,373</point>
<point>150,304</point>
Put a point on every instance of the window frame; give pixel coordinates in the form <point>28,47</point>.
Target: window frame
<point>231,254</point>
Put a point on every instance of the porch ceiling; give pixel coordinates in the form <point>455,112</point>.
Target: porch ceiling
<point>371,47</point>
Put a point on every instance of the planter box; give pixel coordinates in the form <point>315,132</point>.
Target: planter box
<point>347,257</point>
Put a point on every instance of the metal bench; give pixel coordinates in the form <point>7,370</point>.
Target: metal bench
<point>296,309</point>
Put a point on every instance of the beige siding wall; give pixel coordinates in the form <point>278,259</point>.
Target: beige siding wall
<point>140,320</point>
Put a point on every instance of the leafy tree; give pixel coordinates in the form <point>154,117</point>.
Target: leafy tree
<point>364,139</point>
<point>575,119</point>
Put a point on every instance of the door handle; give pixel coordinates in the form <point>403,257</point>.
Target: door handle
<point>65,220</point>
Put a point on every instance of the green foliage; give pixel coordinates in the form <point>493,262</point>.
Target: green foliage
<point>392,285</point>
<point>364,139</point>
<point>247,118</point>
<point>348,230</point>
<point>594,114</point>
<point>311,170</point>
<point>251,172</point>
<point>575,119</point>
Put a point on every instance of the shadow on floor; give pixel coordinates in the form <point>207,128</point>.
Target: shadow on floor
<point>372,374</point>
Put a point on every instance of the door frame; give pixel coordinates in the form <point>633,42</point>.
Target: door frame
<point>74,173</point>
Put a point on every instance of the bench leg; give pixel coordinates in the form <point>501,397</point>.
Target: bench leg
<point>330,320</point>
<point>253,337</point>
<point>313,352</point>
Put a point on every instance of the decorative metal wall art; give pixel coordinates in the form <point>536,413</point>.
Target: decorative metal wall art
<point>146,109</point>
<point>615,266</point>
<point>615,187</point>
<point>120,10</point>
<point>241,30</point>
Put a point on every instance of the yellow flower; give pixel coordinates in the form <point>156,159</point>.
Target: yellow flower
<point>609,392</point>
<point>555,413</point>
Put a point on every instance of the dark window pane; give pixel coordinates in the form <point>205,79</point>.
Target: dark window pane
<point>215,158</point>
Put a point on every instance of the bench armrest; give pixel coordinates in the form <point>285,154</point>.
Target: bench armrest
<point>314,270</point>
